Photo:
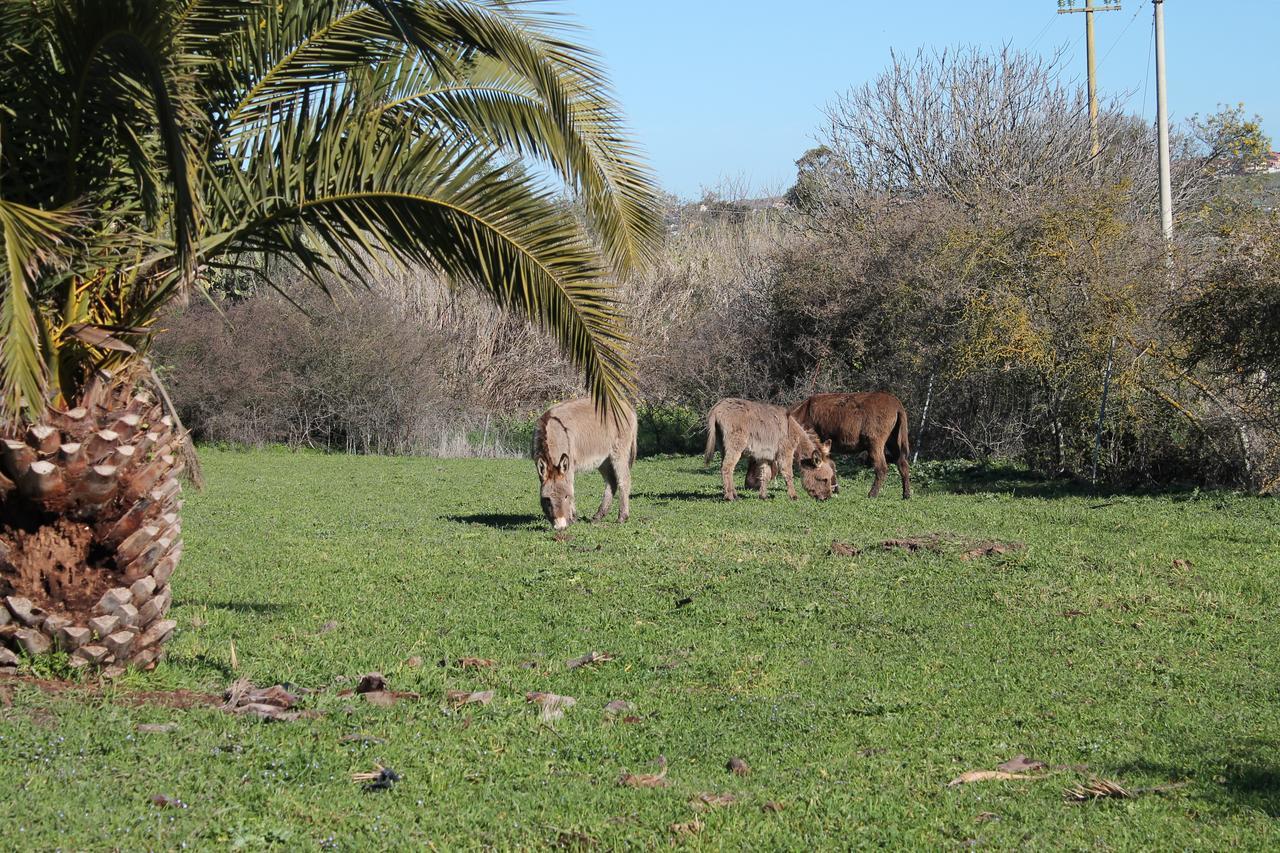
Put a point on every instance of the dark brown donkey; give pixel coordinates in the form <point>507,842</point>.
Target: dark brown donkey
<point>873,421</point>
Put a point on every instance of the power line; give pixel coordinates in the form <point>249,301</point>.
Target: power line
<point>1146,80</point>
<point>1043,30</point>
<point>1121,36</point>
<point>1129,93</point>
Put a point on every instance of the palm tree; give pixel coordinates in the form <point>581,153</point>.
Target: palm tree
<point>145,144</point>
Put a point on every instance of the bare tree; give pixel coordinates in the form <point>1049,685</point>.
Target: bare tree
<point>986,130</point>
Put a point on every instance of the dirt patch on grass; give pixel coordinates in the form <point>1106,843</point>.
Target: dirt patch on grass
<point>933,543</point>
<point>988,549</point>
<point>929,542</point>
<point>180,699</point>
<point>171,698</point>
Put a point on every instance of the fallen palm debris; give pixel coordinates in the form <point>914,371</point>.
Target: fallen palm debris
<point>379,779</point>
<point>273,703</point>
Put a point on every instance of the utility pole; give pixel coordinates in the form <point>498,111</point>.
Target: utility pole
<point>1162,126</point>
<point>1067,7</point>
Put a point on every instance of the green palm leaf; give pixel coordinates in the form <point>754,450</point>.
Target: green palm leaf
<point>310,195</point>
<point>331,134</point>
<point>593,156</point>
<point>32,238</point>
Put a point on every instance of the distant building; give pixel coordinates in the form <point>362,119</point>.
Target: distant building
<point>1269,165</point>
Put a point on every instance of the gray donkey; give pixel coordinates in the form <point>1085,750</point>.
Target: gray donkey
<point>573,437</point>
<point>767,434</point>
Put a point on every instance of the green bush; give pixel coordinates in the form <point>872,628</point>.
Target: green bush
<point>669,428</point>
<point>662,429</point>
<point>516,433</point>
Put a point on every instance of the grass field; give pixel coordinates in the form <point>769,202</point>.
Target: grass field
<point>855,687</point>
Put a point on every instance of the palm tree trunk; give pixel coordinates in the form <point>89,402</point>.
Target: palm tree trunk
<point>190,461</point>
<point>90,531</point>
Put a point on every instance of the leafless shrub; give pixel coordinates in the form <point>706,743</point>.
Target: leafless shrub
<point>981,128</point>
<point>383,371</point>
<point>985,439</point>
<point>699,319</point>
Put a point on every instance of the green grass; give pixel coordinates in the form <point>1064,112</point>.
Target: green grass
<point>854,687</point>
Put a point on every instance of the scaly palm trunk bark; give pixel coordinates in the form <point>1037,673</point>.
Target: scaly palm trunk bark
<point>90,531</point>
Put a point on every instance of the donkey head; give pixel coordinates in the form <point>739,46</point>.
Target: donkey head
<point>817,472</point>
<point>556,476</point>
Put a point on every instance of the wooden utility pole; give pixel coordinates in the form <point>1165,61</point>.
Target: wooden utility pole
<point>1162,126</point>
<point>1067,7</point>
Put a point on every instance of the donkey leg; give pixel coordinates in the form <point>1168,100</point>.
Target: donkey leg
<point>905,472</point>
<point>881,468</point>
<point>759,476</point>
<point>622,471</point>
<point>787,474</point>
<point>609,472</point>
<point>731,457</point>
<point>762,475</point>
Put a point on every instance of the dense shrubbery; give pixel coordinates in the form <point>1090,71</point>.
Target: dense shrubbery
<point>999,295</point>
<point>669,428</point>
<point>371,373</point>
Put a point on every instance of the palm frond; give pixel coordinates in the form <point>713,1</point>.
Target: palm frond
<point>479,68</point>
<point>313,196</point>
<point>333,135</point>
<point>132,80</point>
<point>619,192</point>
<point>32,238</point>
<point>594,157</point>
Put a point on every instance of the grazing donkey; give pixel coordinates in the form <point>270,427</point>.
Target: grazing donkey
<point>873,421</point>
<point>573,437</point>
<point>768,435</point>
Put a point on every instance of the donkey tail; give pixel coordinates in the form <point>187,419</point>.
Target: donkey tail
<point>904,442</point>
<point>711,437</point>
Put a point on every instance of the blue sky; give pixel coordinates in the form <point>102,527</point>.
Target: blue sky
<point>734,89</point>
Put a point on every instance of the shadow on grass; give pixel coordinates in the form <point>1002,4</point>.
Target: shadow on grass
<point>1238,782</point>
<point>1253,786</point>
<point>259,608</point>
<point>961,477</point>
<point>499,520</point>
<point>680,496</point>
<point>966,478</point>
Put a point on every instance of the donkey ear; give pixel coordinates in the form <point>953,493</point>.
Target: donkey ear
<point>542,468</point>
<point>564,463</point>
<point>826,447</point>
<point>817,457</point>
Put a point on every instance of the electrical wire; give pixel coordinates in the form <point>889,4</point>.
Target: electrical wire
<point>1151,49</point>
<point>1043,30</point>
<point>1119,37</point>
